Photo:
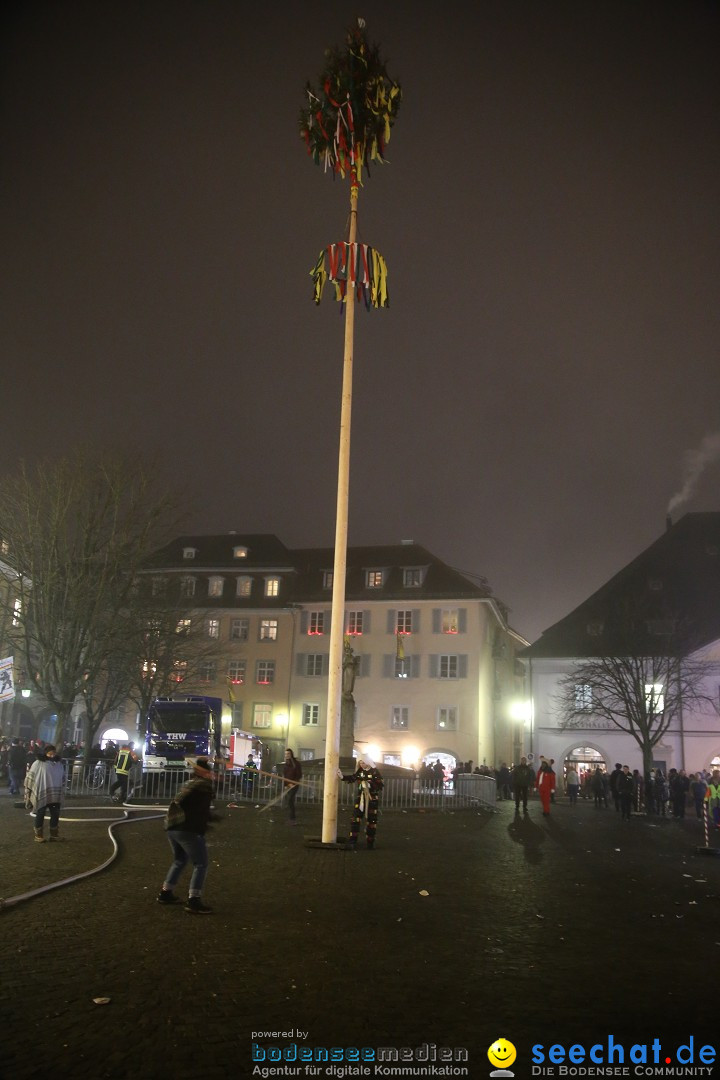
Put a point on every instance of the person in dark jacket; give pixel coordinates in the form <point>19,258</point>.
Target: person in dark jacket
<point>188,817</point>
<point>17,766</point>
<point>625,785</point>
<point>614,776</point>
<point>523,778</point>
<point>292,775</point>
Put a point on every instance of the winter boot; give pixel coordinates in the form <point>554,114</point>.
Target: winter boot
<point>39,838</point>
<point>55,833</point>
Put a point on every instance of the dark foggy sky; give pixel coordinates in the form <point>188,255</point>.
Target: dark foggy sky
<point>550,223</point>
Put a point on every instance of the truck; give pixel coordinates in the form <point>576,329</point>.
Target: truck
<point>178,728</point>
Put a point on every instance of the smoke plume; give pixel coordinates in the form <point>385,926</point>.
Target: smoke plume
<point>695,463</point>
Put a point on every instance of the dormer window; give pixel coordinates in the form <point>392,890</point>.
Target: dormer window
<point>240,553</point>
<point>374,579</point>
<point>272,586</point>
<point>215,586</point>
<point>187,586</point>
<point>413,577</point>
<point>327,579</point>
<point>189,552</point>
<point>244,586</point>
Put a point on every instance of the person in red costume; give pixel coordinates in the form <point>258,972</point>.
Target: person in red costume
<point>545,783</point>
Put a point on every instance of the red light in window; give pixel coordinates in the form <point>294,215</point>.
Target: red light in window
<point>237,682</point>
<point>315,633</point>
<point>263,682</point>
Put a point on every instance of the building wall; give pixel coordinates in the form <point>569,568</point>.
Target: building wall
<point>690,745</point>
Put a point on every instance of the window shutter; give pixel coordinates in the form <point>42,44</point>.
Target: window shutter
<point>304,622</point>
<point>366,622</point>
<point>462,620</point>
<point>327,618</point>
<point>391,621</point>
<point>388,666</point>
<point>462,666</point>
<point>416,621</point>
<point>415,661</point>
<point>364,671</point>
<point>301,665</point>
<point>325,663</point>
<point>436,620</point>
<point>434,665</point>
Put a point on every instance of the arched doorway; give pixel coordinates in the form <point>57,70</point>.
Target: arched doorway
<point>114,734</point>
<point>584,759</point>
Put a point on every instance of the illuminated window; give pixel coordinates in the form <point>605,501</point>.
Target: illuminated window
<point>447,718</point>
<point>149,669</point>
<point>244,586</point>
<point>355,623</point>
<point>189,552</point>
<point>17,612</point>
<point>374,579</point>
<point>236,671</point>
<point>403,623</point>
<point>272,586</point>
<point>187,586</point>
<point>654,699</point>
<point>450,621</point>
<point>183,626</point>
<point>400,718</point>
<point>240,553</point>
<point>179,671</point>
<point>213,628</point>
<point>268,629</point>
<point>265,672</point>
<point>310,714</point>
<point>583,697</point>
<point>239,629</point>
<point>316,622</point>
<point>215,586</point>
<point>262,715</point>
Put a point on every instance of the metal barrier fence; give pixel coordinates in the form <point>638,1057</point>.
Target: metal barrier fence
<point>473,791</point>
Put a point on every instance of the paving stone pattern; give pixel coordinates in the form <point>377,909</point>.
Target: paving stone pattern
<point>549,930</point>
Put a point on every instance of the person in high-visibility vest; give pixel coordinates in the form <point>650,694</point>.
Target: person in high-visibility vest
<point>126,758</point>
<point>713,798</point>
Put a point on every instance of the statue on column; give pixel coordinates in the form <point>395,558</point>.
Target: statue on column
<point>350,667</point>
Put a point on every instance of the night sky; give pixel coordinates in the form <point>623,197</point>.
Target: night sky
<point>549,218</point>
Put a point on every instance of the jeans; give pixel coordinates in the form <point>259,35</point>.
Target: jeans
<point>54,808</point>
<point>187,846</point>
<point>291,797</point>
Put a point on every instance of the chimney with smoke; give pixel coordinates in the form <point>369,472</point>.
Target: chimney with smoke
<point>695,464</point>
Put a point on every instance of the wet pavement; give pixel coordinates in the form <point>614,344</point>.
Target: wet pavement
<point>459,929</point>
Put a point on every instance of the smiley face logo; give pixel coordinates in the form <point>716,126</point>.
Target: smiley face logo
<point>502,1053</point>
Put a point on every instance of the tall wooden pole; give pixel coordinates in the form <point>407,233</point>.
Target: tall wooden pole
<point>337,626</point>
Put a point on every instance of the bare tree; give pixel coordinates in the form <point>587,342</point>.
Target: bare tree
<point>643,688</point>
<point>75,534</point>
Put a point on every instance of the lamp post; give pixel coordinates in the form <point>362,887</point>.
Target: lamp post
<point>345,123</point>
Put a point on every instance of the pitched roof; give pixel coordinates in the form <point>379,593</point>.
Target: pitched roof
<point>670,591</point>
<point>305,568</point>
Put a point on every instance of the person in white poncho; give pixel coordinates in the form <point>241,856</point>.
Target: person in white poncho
<point>45,791</point>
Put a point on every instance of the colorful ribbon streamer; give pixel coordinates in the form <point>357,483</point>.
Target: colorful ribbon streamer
<point>360,265</point>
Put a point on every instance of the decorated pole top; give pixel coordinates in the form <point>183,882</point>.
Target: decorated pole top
<point>347,119</point>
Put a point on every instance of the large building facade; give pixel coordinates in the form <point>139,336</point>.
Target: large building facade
<point>673,585</point>
<point>436,673</point>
